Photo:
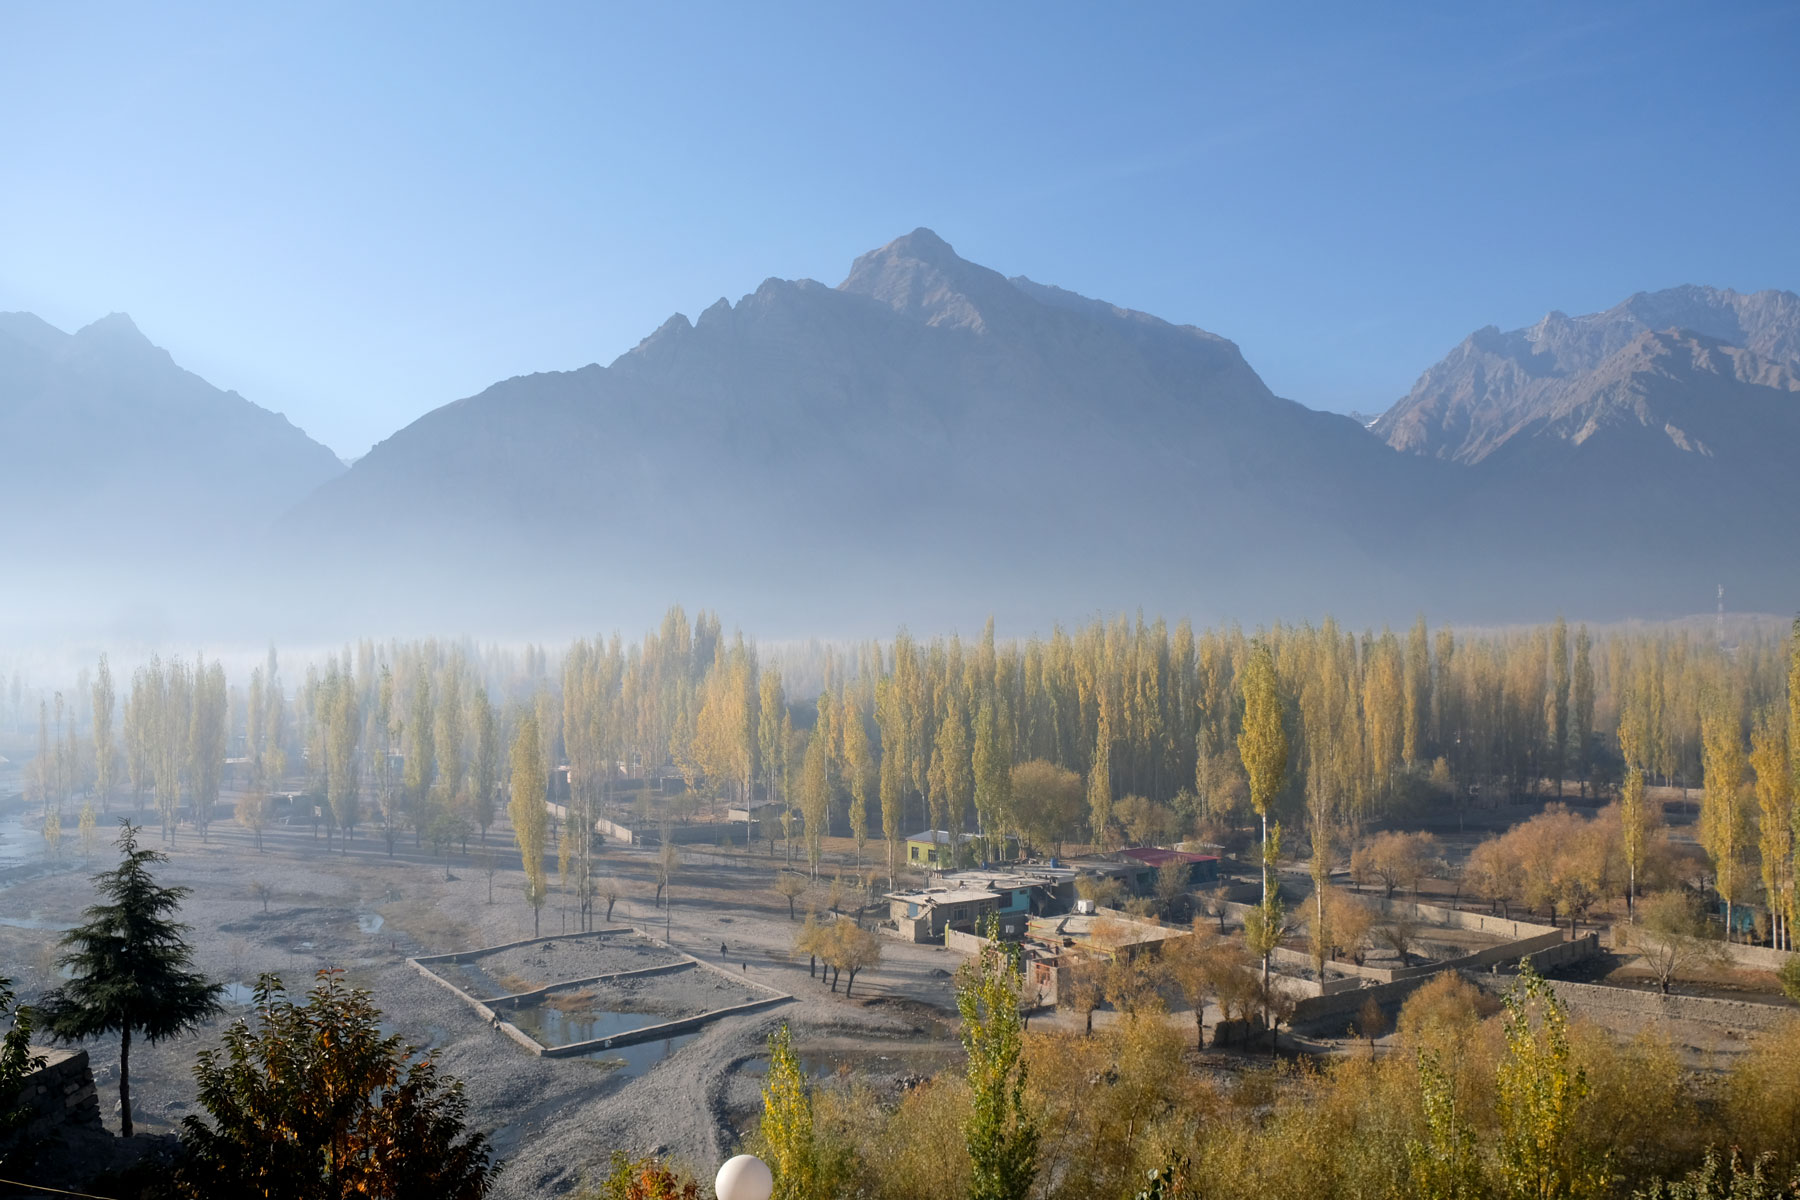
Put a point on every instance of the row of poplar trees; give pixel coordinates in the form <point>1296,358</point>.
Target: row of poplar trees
<point>883,740</point>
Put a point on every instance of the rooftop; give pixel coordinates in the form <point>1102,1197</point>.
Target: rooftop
<point>1002,880</point>
<point>950,895</point>
<point>1106,929</point>
<point>941,837</point>
<point>1156,856</point>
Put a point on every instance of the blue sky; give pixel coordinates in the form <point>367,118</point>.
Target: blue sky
<point>354,213</point>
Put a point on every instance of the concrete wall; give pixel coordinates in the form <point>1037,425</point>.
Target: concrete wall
<point>461,956</point>
<point>1631,1010</point>
<point>963,943</point>
<point>486,1010</point>
<point>60,1093</point>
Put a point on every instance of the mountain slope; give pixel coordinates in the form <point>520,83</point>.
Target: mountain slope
<point>123,453</point>
<point>1626,460</point>
<point>928,438</point>
<point>1497,386</point>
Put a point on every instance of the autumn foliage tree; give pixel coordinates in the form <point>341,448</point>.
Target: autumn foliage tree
<point>1001,1134</point>
<point>526,810</point>
<point>310,1102</point>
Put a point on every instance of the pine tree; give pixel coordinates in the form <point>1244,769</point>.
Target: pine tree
<point>128,966</point>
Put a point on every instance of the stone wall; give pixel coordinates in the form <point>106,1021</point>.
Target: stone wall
<point>1546,960</point>
<point>1332,1013</point>
<point>1455,918</point>
<point>61,1093</point>
<point>1630,1010</point>
<point>1759,958</point>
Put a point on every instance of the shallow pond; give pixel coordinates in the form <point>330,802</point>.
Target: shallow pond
<point>632,1061</point>
<point>553,1027</point>
<point>36,922</point>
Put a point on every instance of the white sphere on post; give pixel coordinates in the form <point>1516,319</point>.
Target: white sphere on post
<point>745,1177</point>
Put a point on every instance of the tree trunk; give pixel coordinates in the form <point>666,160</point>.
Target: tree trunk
<point>1265,864</point>
<point>125,1082</point>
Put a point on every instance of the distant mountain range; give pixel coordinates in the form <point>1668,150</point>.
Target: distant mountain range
<point>931,441</point>
<point>111,449</point>
<point>1702,369</point>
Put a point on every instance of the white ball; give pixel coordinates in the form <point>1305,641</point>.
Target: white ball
<point>745,1177</point>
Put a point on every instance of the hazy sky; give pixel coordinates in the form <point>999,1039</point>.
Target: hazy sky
<point>355,213</point>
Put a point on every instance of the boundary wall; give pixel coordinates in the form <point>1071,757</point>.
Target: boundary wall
<point>1631,1010</point>
<point>486,1009</point>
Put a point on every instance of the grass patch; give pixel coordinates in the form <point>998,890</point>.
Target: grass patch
<point>426,924</point>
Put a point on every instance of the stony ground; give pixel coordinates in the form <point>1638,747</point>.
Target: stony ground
<point>553,1120</point>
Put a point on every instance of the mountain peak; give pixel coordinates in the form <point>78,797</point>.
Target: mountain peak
<point>117,328</point>
<point>921,276</point>
<point>925,245</point>
<point>1498,386</point>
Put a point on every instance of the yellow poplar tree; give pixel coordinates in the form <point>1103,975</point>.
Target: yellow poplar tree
<point>1774,800</point>
<point>1262,742</point>
<point>787,1124</point>
<point>1724,822</point>
<point>1099,788</point>
<point>526,809</point>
